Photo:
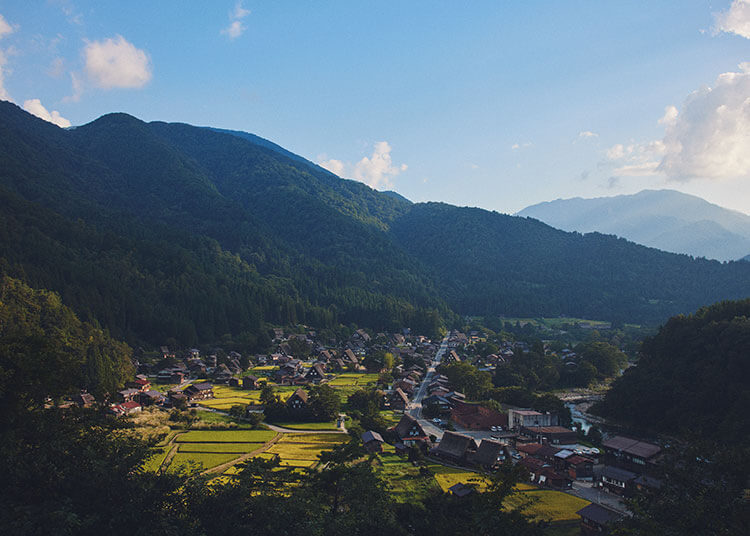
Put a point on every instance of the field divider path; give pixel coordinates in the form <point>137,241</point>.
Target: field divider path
<point>172,451</point>
<point>224,466</point>
<point>281,429</point>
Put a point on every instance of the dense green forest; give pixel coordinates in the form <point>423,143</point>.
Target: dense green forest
<point>134,233</point>
<point>489,264</point>
<point>161,231</point>
<point>47,352</point>
<point>691,378</point>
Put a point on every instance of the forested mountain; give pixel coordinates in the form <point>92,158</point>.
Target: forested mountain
<point>691,379</point>
<point>663,219</point>
<point>157,242</point>
<point>489,263</point>
<point>160,230</point>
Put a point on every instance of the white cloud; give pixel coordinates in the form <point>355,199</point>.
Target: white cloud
<point>240,12</point>
<point>4,95</point>
<point>616,152</point>
<point>645,169</point>
<point>636,159</point>
<point>588,134</point>
<point>116,63</point>
<point>517,146</point>
<point>377,170</point>
<point>236,28</point>
<point>736,20</point>
<point>5,28</point>
<point>334,166</point>
<point>34,106</point>
<point>670,115</point>
<point>710,136</point>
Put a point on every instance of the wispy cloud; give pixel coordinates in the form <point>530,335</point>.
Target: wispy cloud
<point>236,27</point>
<point>587,134</point>
<point>524,145</point>
<point>116,63</point>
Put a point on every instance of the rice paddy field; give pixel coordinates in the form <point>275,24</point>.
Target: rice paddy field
<point>302,450</point>
<point>225,397</point>
<point>226,436</point>
<point>205,450</point>
<point>550,505</point>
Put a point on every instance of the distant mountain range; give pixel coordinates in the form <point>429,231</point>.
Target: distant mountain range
<point>161,231</point>
<point>663,219</point>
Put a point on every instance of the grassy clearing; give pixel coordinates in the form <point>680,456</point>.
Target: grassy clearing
<point>447,477</point>
<point>391,417</point>
<point>404,480</point>
<point>226,436</point>
<point>220,448</point>
<point>198,460</point>
<point>550,505</point>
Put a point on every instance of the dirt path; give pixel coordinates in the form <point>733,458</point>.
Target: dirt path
<point>224,466</point>
<point>173,450</point>
<point>281,429</point>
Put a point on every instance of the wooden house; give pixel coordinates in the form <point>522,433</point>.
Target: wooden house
<point>455,447</point>
<point>631,454</point>
<point>298,400</point>
<point>597,519</point>
<point>250,382</point>
<point>199,391</point>
<point>409,431</point>
<point>372,441</point>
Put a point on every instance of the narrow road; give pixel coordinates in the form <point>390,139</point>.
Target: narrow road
<point>415,406</point>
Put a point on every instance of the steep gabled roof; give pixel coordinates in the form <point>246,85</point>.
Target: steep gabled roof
<point>299,393</point>
<point>487,453</point>
<point>371,436</point>
<point>454,445</point>
<point>408,427</point>
<point>598,514</point>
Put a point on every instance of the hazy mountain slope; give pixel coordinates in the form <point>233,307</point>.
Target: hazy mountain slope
<point>664,219</point>
<point>490,263</point>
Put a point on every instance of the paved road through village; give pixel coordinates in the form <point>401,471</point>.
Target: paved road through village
<point>415,407</point>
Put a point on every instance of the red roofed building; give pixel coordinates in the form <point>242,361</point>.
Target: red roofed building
<point>476,417</point>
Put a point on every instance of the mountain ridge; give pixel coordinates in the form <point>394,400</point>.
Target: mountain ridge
<point>665,219</point>
<point>162,230</point>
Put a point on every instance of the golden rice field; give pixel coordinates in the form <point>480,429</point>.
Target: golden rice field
<point>549,505</point>
<point>226,436</point>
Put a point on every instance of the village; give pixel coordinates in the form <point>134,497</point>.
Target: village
<point>428,420</point>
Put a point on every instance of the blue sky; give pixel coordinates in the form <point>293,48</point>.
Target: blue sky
<point>495,104</point>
